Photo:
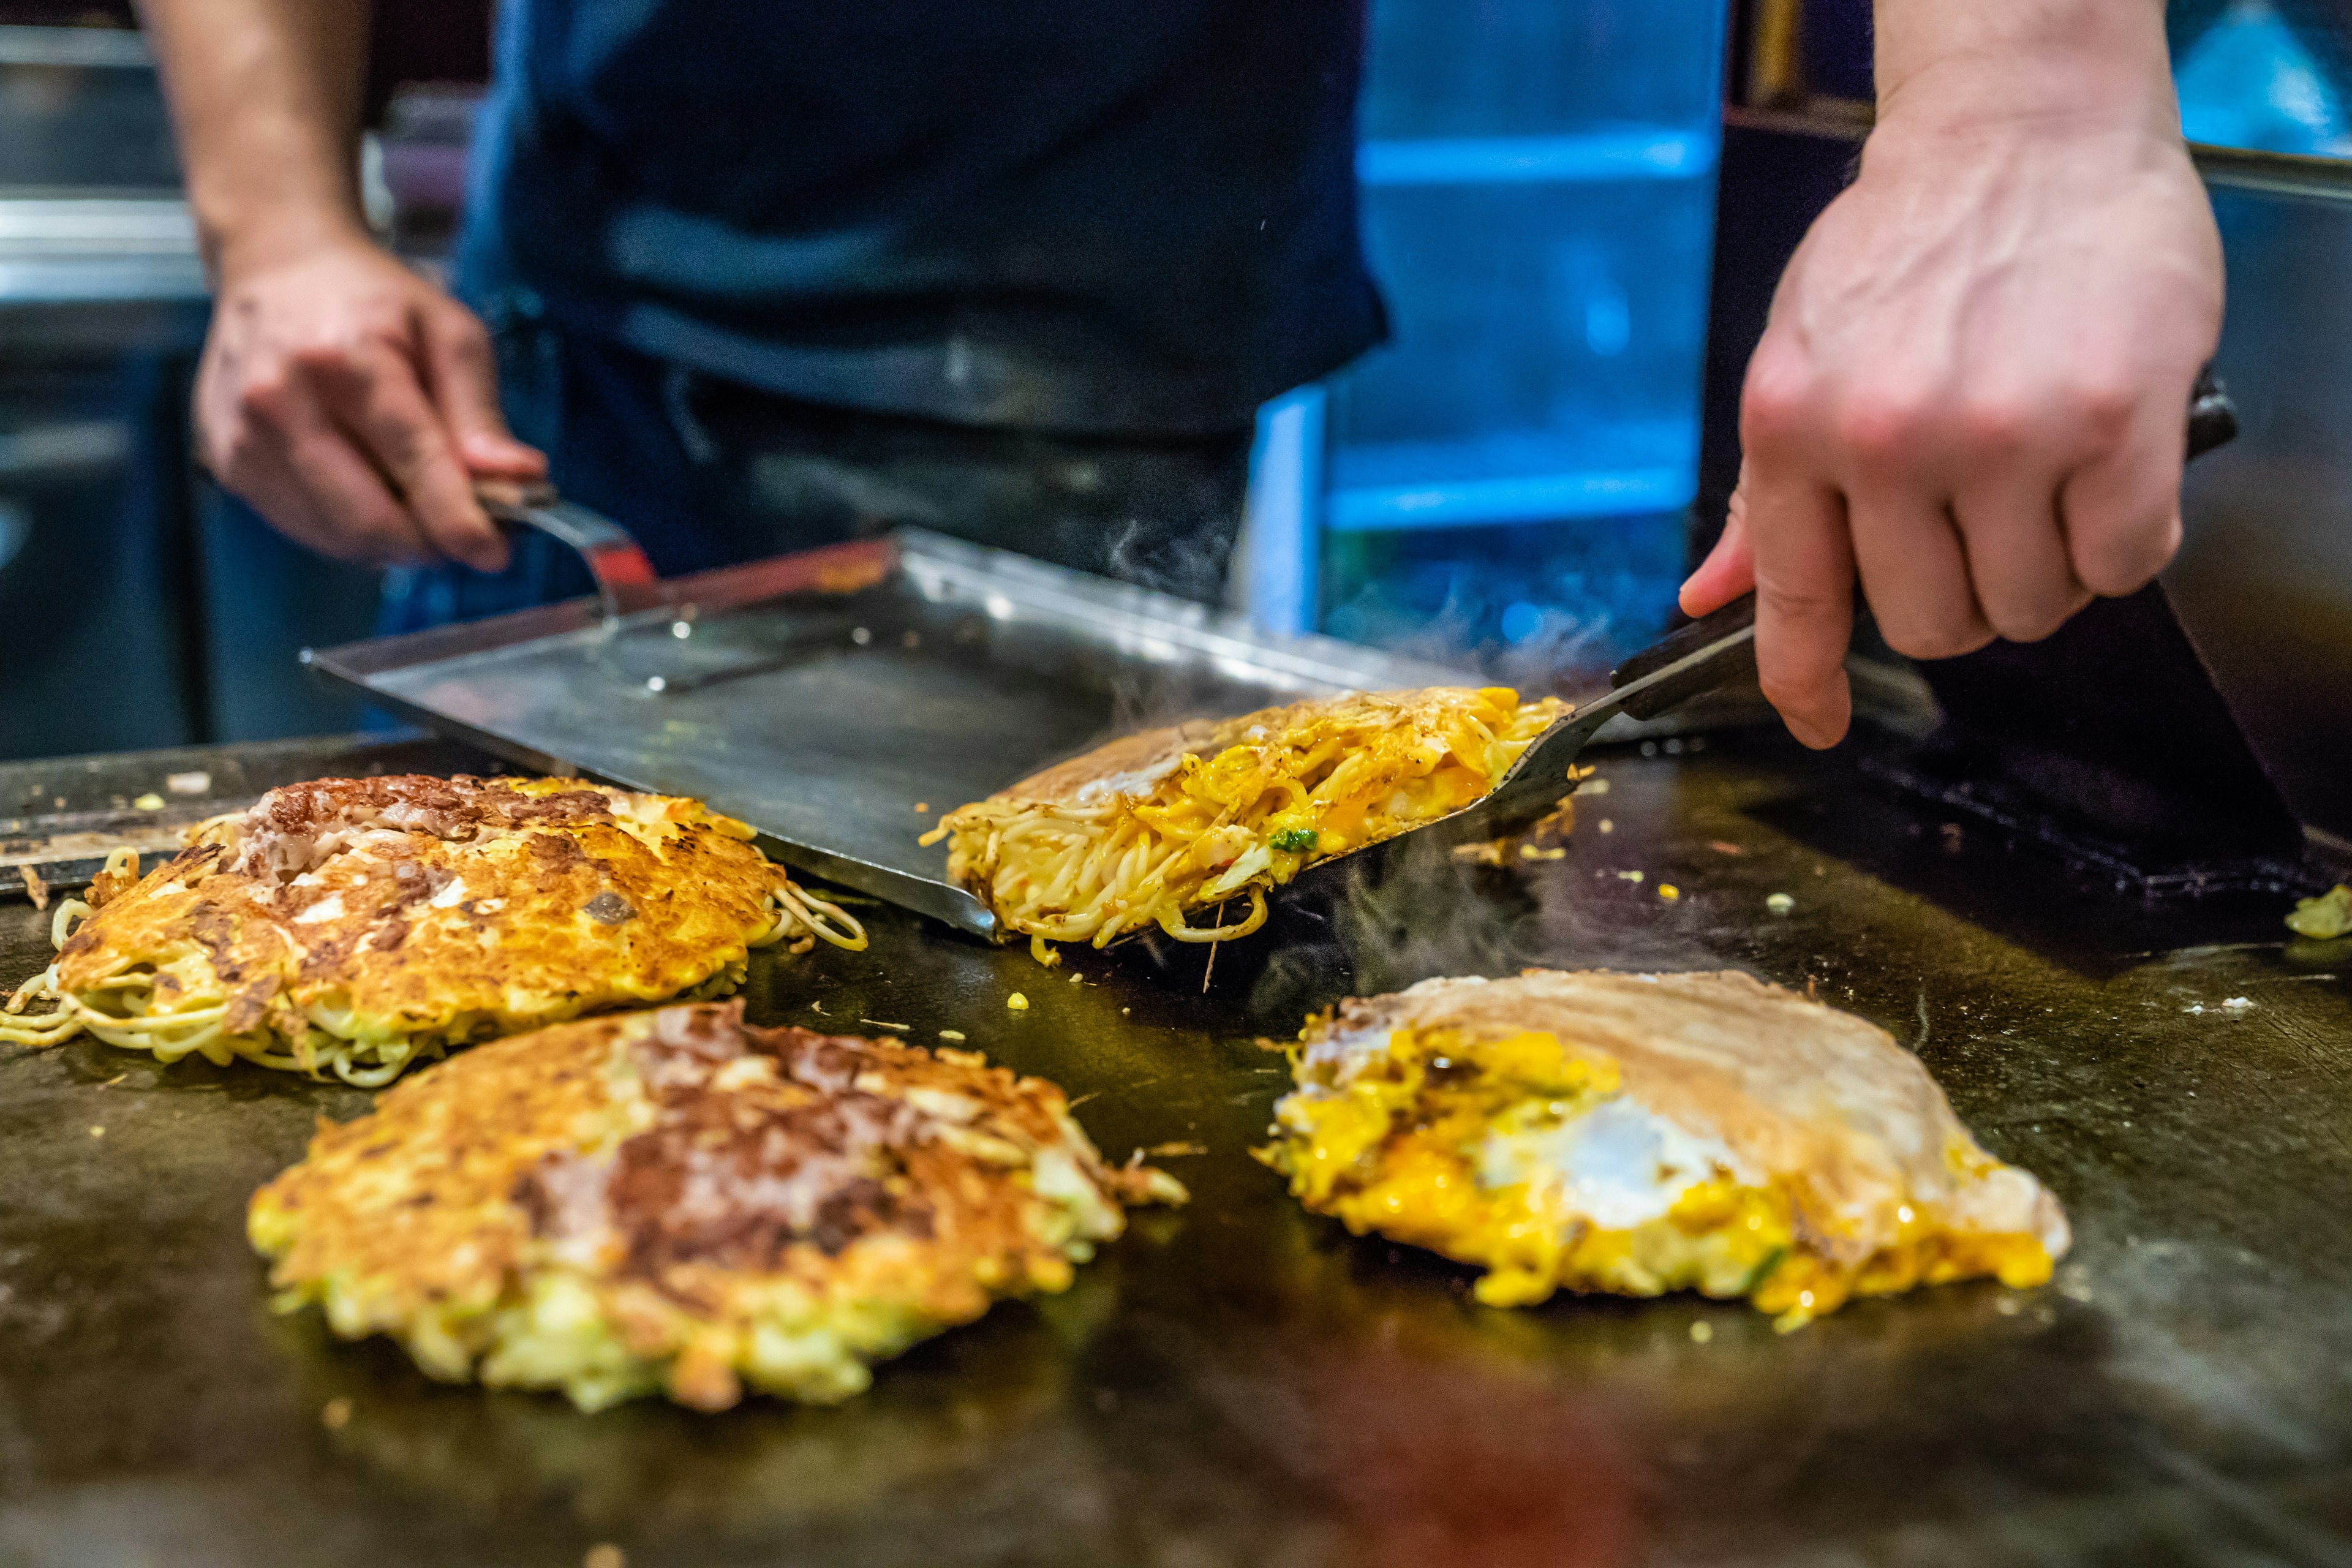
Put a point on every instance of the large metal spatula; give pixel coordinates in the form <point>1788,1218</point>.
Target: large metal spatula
<point>1709,653</point>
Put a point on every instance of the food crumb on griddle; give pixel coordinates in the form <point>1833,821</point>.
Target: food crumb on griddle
<point>335,1414</point>
<point>2325,917</point>
<point>1017,1003</point>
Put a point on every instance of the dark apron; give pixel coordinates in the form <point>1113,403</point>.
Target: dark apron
<point>769,276</point>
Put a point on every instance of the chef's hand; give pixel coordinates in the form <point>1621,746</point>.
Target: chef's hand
<point>1970,390</point>
<point>353,405</point>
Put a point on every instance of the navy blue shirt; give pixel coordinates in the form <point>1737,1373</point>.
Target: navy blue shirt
<point>1069,214</point>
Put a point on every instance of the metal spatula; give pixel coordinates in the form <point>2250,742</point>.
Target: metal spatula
<point>1711,652</point>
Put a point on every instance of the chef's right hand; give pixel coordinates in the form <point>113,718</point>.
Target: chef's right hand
<point>353,405</point>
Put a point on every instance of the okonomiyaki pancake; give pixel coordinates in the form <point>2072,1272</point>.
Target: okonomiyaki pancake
<point>355,926</point>
<point>675,1201</point>
<point>1641,1133</point>
<point>1152,826</point>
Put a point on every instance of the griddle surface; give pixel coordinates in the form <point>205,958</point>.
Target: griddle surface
<point>1240,1383</point>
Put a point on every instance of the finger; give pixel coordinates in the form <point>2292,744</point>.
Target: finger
<point>461,379</point>
<point>374,393</point>
<point>2120,512</point>
<point>1804,606</point>
<point>1914,573</point>
<point>1729,569</point>
<point>2025,584</point>
<point>326,493</point>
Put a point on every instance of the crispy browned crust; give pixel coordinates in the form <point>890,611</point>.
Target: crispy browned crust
<point>558,909</point>
<point>689,1166</point>
<point>416,1194</point>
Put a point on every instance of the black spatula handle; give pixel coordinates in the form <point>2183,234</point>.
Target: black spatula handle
<point>1731,665</point>
<point>2212,417</point>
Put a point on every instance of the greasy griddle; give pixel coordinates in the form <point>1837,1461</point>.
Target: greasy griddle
<point>1238,1382</point>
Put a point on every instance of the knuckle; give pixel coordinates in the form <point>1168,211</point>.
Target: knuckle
<point>460,328</point>
<point>2122,560</point>
<point>266,397</point>
<point>1994,427</point>
<point>1799,605</point>
<point>2114,572</point>
<point>1881,427</point>
<point>1774,403</point>
<point>401,445</point>
<point>2103,406</point>
<point>325,358</point>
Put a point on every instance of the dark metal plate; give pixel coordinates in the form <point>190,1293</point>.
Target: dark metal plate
<point>1237,1382</point>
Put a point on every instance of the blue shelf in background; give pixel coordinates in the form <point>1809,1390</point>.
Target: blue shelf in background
<point>1637,153</point>
<point>1590,468</point>
<point>1537,498</point>
<point>1504,482</point>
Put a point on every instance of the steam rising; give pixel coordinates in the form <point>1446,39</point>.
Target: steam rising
<point>1380,921</point>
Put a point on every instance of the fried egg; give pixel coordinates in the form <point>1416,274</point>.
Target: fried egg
<point>1642,1133</point>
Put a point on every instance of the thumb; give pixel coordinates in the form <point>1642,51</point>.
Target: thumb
<point>1729,569</point>
<point>464,388</point>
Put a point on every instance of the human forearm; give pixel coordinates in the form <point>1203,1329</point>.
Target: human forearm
<point>1968,394</point>
<point>1995,63</point>
<point>264,97</point>
<point>347,399</point>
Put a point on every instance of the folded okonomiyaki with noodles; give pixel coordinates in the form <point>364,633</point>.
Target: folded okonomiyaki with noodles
<point>1155,827</point>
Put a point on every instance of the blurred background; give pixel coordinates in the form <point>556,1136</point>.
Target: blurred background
<point>1576,209</point>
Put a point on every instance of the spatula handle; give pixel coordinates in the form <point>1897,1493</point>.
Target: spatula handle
<point>2212,417</point>
<point>625,580</point>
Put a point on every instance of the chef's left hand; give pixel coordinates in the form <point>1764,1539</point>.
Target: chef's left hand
<point>1970,391</point>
